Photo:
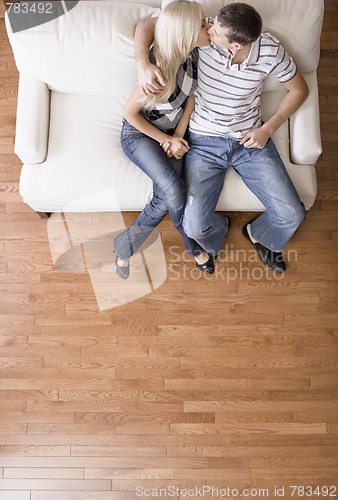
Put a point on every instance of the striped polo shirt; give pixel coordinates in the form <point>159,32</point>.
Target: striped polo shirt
<point>228,95</point>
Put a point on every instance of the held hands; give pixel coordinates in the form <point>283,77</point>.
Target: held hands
<point>175,147</point>
<point>256,138</point>
<point>150,79</point>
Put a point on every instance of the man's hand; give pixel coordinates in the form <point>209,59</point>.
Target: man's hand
<point>175,146</point>
<point>256,138</point>
<point>296,95</point>
<point>150,79</point>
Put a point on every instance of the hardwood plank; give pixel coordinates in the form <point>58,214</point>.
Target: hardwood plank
<point>205,384</point>
<point>22,416</point>
<point>129,473</point>
<point>310,462</point>
<point>48,473</point>
<point>15,495</point>
<point>213,452</point>
<point>316,416</point>
<point>328,442</point>
<point>56,484</point>
<point>118,451</point>
<point>258,406</point>
<point>107,405</point>
<point>35,451</point>
<point>259,417</point>
<point>261,362</point>
<point>47,426</point>
<point>104,462</point>
<point>297,473</point>
<point>13,428</point>
<point>85,495</point>
<point>248,428</point>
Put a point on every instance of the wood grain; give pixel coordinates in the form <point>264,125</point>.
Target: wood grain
<point>224,380</point>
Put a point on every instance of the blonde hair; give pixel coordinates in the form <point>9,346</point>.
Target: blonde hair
<point>176,34</point>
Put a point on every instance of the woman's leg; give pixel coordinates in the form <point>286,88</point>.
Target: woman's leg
<point>169,194</point>
<point>129,241</point>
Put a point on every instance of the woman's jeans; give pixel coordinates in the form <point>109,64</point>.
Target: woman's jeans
<point>169,192</point>
<point>264,173</point>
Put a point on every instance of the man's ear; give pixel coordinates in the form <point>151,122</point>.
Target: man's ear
<point>237,45</point>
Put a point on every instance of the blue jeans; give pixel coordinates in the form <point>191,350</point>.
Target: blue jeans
<point>264,173</point>
<point>169,192</point>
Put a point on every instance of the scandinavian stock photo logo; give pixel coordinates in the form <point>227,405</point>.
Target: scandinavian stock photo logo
<point>29,14</point>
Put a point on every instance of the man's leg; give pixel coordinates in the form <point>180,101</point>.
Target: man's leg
<point>205,167</point>
<point>264,173</point>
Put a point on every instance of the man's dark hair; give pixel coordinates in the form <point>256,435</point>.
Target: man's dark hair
<point>244,22</point>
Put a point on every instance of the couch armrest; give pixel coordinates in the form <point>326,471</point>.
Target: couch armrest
<point>305,140</point>
<point>32,120</point>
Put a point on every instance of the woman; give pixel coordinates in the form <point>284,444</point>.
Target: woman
<point>154,127</point>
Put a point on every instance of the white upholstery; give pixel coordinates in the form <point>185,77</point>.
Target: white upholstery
<point>75,75</point>
<point>289,21</point>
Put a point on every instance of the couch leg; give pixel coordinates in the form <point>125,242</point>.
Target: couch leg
<point>44,215</point>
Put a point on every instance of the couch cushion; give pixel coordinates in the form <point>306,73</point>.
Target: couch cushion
<point>83,51</point>
<point>90,171</point>
<point>296,23</point>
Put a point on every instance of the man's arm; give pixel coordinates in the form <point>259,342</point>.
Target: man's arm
<point>182,125</point>
<point>297,93</point>
<point>149,76</point>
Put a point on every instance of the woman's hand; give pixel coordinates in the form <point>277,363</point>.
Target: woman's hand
<point>175,147</point>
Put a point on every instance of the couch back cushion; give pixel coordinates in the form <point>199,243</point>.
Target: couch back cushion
<point>88,50</point>
<point>296,23</point>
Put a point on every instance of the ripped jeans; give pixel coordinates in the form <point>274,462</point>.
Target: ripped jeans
<point>263,172</point>
<point>169,192</point>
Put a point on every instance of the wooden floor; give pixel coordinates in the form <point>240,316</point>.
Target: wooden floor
<point>218,382</point>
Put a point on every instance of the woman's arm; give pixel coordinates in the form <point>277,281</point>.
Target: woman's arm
<point>131,112</point>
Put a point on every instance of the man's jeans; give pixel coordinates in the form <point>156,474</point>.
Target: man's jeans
<point>169,192</point>
<point>265,175</point>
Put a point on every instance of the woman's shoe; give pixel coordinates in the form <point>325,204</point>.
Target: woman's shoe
<point>122,271</point>
<point>207,267</point>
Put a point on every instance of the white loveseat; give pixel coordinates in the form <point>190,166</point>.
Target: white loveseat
<point>76,72</point>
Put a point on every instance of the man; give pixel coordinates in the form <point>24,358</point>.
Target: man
<point>226,130</point>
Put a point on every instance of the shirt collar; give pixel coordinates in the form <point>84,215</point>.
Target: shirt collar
<point>252,57</point>
<point>254,52</point>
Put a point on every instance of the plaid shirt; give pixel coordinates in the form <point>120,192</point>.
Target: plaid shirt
<point>165,116</point>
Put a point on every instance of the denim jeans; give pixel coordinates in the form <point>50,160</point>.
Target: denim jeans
<point>263,172</point>
<point>169,192</point>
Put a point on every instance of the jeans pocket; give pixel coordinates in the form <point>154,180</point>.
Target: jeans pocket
<point>128,143</point>
<point>128,129</point>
